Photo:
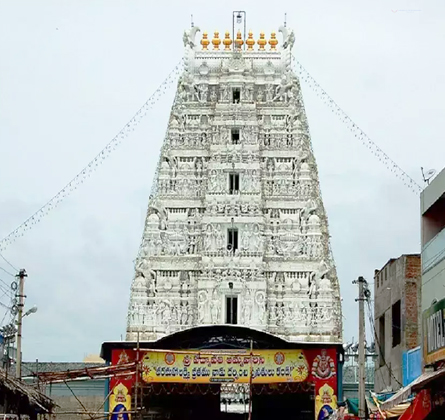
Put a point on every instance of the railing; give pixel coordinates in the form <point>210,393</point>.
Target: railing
<point>433,252</point>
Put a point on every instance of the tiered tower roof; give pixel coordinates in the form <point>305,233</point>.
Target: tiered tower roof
<point>236,231</point>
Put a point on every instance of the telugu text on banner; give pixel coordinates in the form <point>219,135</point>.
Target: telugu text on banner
<point>268,366</point>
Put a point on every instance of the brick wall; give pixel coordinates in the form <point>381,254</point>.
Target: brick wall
<point>399,279</point>
<point>411,316</point>
<point>412,300</point>
<point>412,267</point>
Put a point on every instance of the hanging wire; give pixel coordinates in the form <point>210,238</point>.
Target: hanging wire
<point>88,170</point>
<point>4,317</point>
<point>5,288</point>
<point>380,346</point>
<point>7,262</point>
<point>7,272</point>
<point>356,130</point>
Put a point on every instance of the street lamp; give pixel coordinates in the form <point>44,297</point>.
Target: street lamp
<point>33,310</point>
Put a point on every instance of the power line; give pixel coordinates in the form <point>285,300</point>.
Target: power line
<point>3,319</point>
<point>5,306</point>
<point>7,272</point>
<point>381,352</point>
<point>6,290</point>
<point>93,164</point>
<point>356,130</point>
<point>14,268</point>
<point>8,286</point>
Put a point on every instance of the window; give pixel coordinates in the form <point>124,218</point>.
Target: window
<point>235,136</point>
<point>396,324</point>
<point>381,343</point>
<point>233,183</point>
<point>236,95</point>
<point>232,239</point>
<point>231,310</point>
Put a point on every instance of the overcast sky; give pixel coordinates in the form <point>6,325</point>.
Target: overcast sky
<point>72,73</point>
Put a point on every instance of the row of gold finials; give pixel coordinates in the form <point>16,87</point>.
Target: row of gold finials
<point>239,42</point>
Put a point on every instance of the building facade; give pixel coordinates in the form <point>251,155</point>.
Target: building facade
<point>433,268</point>
<point>430,387</point>
<point>432,204</point>
<point>397,318</point>
<point>236,231</point>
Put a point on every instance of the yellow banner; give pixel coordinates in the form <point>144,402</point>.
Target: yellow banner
<point>268,366</point>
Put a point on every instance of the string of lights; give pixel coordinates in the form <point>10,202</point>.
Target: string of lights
<point>355,129</point>
<point>88,170</point>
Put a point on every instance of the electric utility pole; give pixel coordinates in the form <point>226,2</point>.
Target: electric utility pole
<point>362,296</point>
<point>22,274</point>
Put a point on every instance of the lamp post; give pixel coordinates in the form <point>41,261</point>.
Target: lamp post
<point>22,274</point>
<point>18,366</point>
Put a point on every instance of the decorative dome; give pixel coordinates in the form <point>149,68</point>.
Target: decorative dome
<point>239,40</point>
<point>314,219</point>
<point>204,41</point>
<point>305,167</point>
<point>273,42</point>
<point>250,41</point>
<point>262,41</point>
<point>227,41</point>
<point>153,218</point>
<point>216,41</point>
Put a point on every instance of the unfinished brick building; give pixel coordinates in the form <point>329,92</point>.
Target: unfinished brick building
<point>397,317</point>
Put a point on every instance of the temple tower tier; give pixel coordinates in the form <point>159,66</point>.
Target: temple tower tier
<point>236,231</point>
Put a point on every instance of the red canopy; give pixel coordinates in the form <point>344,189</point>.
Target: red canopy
<point>419,408</point>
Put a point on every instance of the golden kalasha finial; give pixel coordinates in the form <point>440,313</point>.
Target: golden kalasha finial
<point>250,41</point>
<point>227,41</point>
<point>262,41</point>
<point>204,41</point>
<point>273,41</point>
<point>239,40</point>
<point>216,41</point>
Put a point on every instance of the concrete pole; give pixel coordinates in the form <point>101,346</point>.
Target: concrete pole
<point>361,347</point>
<point>22,274</point>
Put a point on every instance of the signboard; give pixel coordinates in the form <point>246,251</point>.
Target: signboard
<point>121,387</point>
<point>315,365</point>
<point>412,365</point>
<point>434,333</point>
<point>268,366</point>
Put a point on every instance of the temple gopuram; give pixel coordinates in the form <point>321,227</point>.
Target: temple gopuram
<point>235,304</point>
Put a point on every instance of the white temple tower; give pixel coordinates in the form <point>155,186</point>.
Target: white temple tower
<point>236,231</point>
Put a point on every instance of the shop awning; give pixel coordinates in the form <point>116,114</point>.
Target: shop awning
<point>416,385</point>
<point>420,407</point>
